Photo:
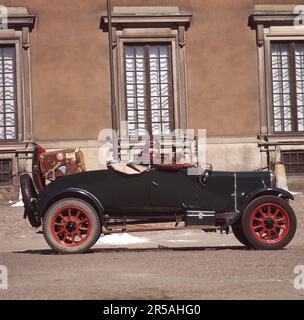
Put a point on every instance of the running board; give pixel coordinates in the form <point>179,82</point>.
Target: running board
<point>133,229</point>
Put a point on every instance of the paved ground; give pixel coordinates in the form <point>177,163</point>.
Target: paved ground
<point>171,265</point>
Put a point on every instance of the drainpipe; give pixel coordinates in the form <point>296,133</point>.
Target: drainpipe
<point>112,80</point>
<point>113,102</point>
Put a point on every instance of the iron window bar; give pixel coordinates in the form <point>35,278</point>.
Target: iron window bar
<point>293,161</point>
<point>6,172</point>
<point>267,146</point>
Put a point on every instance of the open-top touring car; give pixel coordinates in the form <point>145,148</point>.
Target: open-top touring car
<point>74,206</point>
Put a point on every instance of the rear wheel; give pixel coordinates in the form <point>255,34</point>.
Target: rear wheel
<point>71,226</point>
<point>269,223</point>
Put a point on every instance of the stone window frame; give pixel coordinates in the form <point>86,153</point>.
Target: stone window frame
<point>273,34</point>
<point>272,23</point>
<point>149,25</point>
<point>19,25</point>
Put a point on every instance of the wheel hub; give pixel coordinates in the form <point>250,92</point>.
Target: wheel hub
<point>269,223</point>
<point>71,226</point>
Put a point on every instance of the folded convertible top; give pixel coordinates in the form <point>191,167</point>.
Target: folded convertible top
<point>128,168</point>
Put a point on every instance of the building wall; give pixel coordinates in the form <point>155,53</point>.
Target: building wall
<point>71,86</point>
<point>70,68</point>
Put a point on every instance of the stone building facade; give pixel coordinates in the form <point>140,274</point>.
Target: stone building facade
<point>232,67</point>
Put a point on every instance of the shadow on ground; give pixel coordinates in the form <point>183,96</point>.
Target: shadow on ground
<point>160,248</point>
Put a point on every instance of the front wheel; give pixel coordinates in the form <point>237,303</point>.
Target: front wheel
<point>239,233</point>
<point>71,226</point>
<point>269,223</point>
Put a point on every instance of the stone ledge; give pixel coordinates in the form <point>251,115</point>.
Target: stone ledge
<point>146,10</point>
<point>274,9</point>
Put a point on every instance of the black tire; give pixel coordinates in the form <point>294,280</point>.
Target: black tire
<point>239,233</point>
<point>71,226</point>
<point>27,189</point>
<point>29,195</point>
<point>269,223</point>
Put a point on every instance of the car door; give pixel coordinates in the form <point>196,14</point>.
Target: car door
<point>175,188</point>
<point>121,192</point>
<point>218,194</point>
<point>172,188</point>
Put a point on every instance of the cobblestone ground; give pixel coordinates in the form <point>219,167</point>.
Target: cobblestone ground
<point>169,265</point>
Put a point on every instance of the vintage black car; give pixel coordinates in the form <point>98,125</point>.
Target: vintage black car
<point>74,210</point>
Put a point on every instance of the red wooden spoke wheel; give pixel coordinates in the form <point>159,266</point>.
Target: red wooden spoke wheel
<point>71,226</point>
<point>269,223</point>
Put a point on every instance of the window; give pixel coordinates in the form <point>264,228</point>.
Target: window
<point>5,172</point>
<point>15,88</point>
<point>149,63</point>
<point>288,86</point>
<point>8,123</point>
<point>149,89</point>
<point>280,53</point>
<point>293,161</point>
<point>280,56</point>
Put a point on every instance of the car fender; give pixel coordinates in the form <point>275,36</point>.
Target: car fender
<point>246,199</point>
<point>284,194</point>
<point>76,193</point>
